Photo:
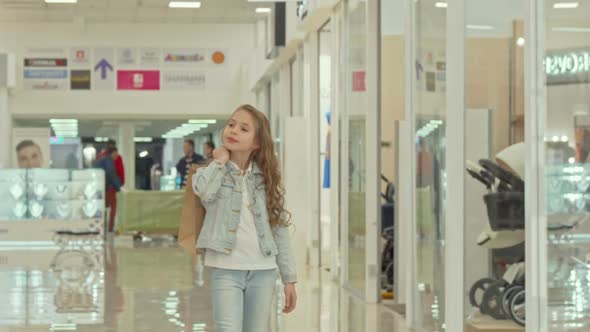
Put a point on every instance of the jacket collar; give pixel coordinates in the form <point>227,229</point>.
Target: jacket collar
<point>252,168</point>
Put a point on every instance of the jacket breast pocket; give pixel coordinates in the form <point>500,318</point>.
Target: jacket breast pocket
<point>226,189</point>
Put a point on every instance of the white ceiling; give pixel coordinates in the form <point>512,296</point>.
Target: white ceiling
<point>108,128</point>
<point>140,11</point>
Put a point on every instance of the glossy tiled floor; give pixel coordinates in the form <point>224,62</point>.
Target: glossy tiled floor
<point>154,287</point>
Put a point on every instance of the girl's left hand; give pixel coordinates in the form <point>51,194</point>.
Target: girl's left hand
<point>290,298</point>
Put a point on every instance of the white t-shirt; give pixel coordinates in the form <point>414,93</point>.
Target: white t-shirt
<point>247,254</point>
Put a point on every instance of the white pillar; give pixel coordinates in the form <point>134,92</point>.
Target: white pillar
<point>126,147</point>
<point>5,130</point>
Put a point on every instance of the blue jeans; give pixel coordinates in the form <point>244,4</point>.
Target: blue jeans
<point>242,300</point>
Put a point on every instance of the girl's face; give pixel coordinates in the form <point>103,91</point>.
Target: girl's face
<point>240,133</point>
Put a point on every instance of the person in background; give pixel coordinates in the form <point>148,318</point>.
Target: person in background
<point>28,154</point>
<point>190,158</point>
<point>208,149</point>
<point>119,166</point>
<point>108,162</point>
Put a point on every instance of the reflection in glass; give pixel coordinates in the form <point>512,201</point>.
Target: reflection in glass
<point>430,115</point>
<point>356,96</point>
<point>567,165</point>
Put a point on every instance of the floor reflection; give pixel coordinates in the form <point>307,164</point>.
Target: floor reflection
<point>86,285</point>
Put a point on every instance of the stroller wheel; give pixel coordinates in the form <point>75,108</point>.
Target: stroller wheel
<point>477,290</point>
<point>492,300</point>
<point>507,296</point>
<point>518,308</point>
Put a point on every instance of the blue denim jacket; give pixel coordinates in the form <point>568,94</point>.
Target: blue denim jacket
<point>220,188</point>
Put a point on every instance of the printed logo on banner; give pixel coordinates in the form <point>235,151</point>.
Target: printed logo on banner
<point>184,57</point>
<point>218,57</point>
<point>183,80</point>
<point>126,57</point>
<point>46,74</point>
<point>45,62</point>
<point>45,79</point>
<point>359,81</point>
<point>149,57</point>
<point>80,57</point>
<point>104,75</point>
<point>138,80</point>
<point>80,80</point>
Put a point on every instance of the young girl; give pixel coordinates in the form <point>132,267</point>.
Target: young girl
<point>245,232</point>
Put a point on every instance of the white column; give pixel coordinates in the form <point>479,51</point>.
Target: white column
<point>312,113</point>
<point>126,147</point>
<point>537,316</point>
<point>5,130</point>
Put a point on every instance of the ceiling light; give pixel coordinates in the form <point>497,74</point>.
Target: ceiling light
<point>52,121</point>
<point>184,4</point>
<point>143,139</point>
<point>66,134</point>
<point>261,10</point>
<point>61,1</point>
<point>570,29</point>
<point>143,154</point>
<point>480,27</point>
<point>441,5</point>
<point>520,41</point>
<point>565,5</point>
<point>202,121</point>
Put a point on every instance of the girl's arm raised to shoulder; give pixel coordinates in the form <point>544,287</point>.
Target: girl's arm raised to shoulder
<point>207,181</point>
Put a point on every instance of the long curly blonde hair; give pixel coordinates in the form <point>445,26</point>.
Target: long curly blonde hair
<point>267,161</point>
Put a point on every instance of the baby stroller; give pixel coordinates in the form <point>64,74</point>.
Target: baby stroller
<point>387,232</point>
<point>501,298</point>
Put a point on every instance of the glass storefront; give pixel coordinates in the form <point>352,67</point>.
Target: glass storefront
<point>494,153</point>
<point>430,150</point>
<point>356,111</point>
<point>566,175</point>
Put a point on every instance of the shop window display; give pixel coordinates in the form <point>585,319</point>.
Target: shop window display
<point>566,172</point>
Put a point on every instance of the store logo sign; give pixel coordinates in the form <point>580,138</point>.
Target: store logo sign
<point>53,74</point>
<point>568,68</point>
<point>196,57</point>
<point>138,80</point>
<point>218,57</point>
<point>80,80</point>
<point>45,86</point>
<point>42,62</point>
<point>81,55</point>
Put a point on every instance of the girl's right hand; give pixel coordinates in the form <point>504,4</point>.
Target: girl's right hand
<point>221,154</point>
